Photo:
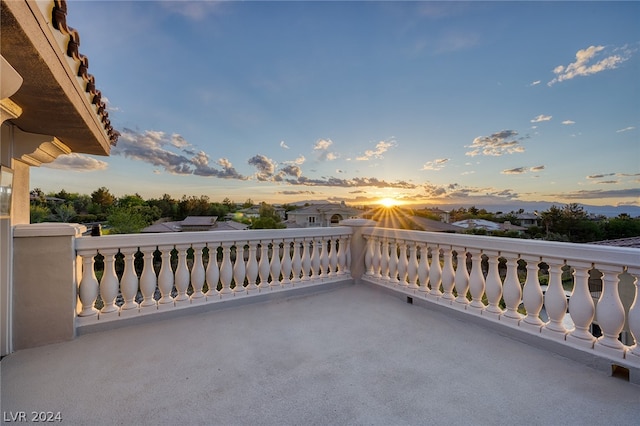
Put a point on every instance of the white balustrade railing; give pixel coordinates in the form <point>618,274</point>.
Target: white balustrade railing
<point>499,278</point>
<point>146,273</point>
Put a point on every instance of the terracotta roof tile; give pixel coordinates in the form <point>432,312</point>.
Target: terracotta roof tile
<point>59,21</point>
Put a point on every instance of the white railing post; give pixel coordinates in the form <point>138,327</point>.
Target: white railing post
<point>376,261</point>
<point>165,278</point>
<point>263,266</point>
<point>296,263</point>
<point>493,285</point>
<point>403,265</point>
<point>212,274</point>
<point>412,267</point>
<point>275,265</point>
<point>512,291</point>
<point>197,274</point>
<point>285,266</point>
<point>393,262</point>
<point>333,257</point>
<point>226,269</point>
<point>448,275</point>
<point>581,306</point>
<point>633,318</point>
<point>610,313</point>
<point>324,258</point>
<point>476,282</point>
<point>182,275</point>
<point>252,267</point>
<point>109,284</point>
<point>129,281</point>
<point>306,259</point>
<point>461,279</point>
<point>239,270</point>
<point>435,273</point>
<point>342,255</point>
<point>555,301</point>
<point>148,279</point>
<point>88,288</point>
<point>384,260</point>
<point>532,295</point>
<point>423,269</point>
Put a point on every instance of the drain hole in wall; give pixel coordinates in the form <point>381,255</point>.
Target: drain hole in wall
<point>619,372</point>
<point>410,300</point>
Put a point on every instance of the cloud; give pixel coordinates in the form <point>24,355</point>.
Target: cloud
<point>283,145</point>
<point>350,183</point>
<point>266,167</point>
<point>435,164</point>
<point>159,149</point>
<point>322,146</point>
<point>516,171</point>
<point>194,10</point>
<point>497,144</point>
<point>536,168</point>
<point>568,122</point>
<point>598,194</point>
<point>585,64</point>
<point>600,176</point>
<point>78,163</point>
<point>298,161</point>
<point>541,118</point>
<point>297,192</point>
<point>381,148</point>
<point>626,129</point>
<point>535,83</point>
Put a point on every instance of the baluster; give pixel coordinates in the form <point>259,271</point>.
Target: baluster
<point>252,267</point>
<point>461,279</point>
<point>493,283</point>
<point>633,319</point>
<point>555,301</point>
<point>315,258</point>
<point>423,268</point>
<point>333,257</point>
<point>165,278</point>
<point>129,282</point>
<point>212,274</point>
<point>512,290</point>
<point>306,260</point>
<point>435,273</point>
<point>182,274</point>
<point>412,267</point>
<point>263,267</point>
<point>197,274</point>
<point>88,291</point>
<point>275,265</point>
<point>581,306</point>
<point>476,282</point>
<point>347,251</point>
<point>532,295</point>
<point>296,263</point>
<point>610,312</point>
<point>324,258</point>
<point>342,255</point>
<point>393,262</point>
<point>226,269</point>
<point>384,260</point>
<point>148,279</point>
<point>109,284</point>
<point>403,264</point>
<point>285,266</point>
<point>376,261</point>
<point>448,275</point>
<point>239,271</point>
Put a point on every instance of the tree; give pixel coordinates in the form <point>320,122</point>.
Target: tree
<point>126,220</point>
<point>39,213</point>
<point>63,213</point>
<point>102,199</point>
<point>247,204</point>
<point>269,218</point>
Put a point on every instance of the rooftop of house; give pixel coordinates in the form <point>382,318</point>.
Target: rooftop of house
<point>353,354</point>
<point>620,242</point>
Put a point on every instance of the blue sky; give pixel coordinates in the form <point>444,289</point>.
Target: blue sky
<point>428,102</point>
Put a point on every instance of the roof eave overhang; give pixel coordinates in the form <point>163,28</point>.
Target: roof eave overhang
<point>57,96</point>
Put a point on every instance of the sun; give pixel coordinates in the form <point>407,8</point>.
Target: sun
<point>389,202</point>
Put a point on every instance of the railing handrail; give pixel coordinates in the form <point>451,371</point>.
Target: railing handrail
<point>172,238</point>
<point>570,252</point>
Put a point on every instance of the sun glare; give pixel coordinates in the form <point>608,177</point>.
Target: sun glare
<point>389,202</point>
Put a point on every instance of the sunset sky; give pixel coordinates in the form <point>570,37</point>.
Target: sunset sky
<point>427,102</point>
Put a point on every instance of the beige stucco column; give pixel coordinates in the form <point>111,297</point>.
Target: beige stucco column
<point>45,275</point>
<point>358,245</point>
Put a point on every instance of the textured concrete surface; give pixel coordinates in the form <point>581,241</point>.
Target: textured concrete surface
<point>353,355</point>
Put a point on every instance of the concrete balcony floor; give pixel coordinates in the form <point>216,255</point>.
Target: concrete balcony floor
<point>352,355</point>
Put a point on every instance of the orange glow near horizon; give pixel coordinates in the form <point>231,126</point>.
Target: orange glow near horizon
<point>389,202</point>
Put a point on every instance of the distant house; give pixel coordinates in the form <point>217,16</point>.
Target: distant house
<point>320,215</point>
<point>195,224</point>
<point>527,219</point>
<point>443,215</point>
<point>487,225</point>
<point>398,218</point>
